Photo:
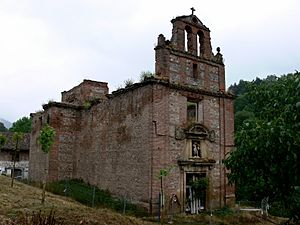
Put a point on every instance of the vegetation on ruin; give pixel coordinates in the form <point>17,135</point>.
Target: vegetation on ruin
<point>146,74</point>
<point>87,105</point>
<point>21,125</point>
<point>128,82</point>
<point>200,185</point>
<point>266,162</point>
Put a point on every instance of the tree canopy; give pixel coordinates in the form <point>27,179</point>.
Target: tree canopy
<point>3,140</point>
<point>266,159</point>
<point>21,125</point>
<point>17,138</point>
<point>2,127</point>
<point>46,138</point>
<point>265,162</point>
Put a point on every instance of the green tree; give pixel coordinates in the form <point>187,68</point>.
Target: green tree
<point>46,140</point>
<point>3,140</point>
<point>21,125</point>
<point>266,159</point>
<point>2,127</point>
<point>17,138</point>
<point>240,117</point>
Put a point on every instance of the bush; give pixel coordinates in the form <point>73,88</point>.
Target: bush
<point>225,211</point>
<point>146,74</point>
<point>128,82</point>
<point>93,196</point>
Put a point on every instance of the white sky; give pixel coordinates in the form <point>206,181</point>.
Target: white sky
<point>49,46</point>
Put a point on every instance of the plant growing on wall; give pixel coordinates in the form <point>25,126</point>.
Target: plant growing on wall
<point>17,138</point>
<point>46,140</point>
<point>200,186</point>
<point>128,82</point>
<point>146,74</point>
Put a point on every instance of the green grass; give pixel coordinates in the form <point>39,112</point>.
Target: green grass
<point>93,196</point>
<point>224,211</point>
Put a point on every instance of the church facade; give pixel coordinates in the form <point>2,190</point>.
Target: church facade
<point>151,141</point>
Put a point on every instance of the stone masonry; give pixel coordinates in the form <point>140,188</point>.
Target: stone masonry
<point>180,119</point>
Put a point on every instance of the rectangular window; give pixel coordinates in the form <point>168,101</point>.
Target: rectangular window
<point>195,71</point>
<point>192,111</point>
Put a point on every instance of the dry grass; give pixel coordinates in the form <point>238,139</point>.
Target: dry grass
<point>22,200</point>
<point>235,219</point>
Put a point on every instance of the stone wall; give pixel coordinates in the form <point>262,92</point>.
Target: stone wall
<point>121,141</point>
<point>114,144</point>
<point>87,91</point>
<point>65,119</point>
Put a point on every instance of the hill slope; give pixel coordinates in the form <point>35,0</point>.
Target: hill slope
<point>6,123</point>
<point>25,199</point>
<point>22,200</point>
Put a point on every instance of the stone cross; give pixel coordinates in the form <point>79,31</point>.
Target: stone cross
<point>193,10</point>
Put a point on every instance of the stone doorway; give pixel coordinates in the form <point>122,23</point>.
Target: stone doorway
<point>195,199</point>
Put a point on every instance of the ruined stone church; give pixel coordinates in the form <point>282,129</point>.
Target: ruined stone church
<point>179,120</point>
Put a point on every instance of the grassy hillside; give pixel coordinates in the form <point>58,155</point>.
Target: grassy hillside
<point>22,201</point>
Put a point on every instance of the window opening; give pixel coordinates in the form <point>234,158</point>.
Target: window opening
<point>195,70</point>
<point>192,111</point>
<point>200,43</point>
<point>187,39</point>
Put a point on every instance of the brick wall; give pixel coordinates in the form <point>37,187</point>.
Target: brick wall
<point>121,141</point>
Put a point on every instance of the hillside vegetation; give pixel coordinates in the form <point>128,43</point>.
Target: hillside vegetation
<point>22,201</point>
<point>265,163</point>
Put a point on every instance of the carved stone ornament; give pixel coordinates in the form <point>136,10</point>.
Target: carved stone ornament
<point>200,132</point>
<point>179,133</point>
<point>212,136</point>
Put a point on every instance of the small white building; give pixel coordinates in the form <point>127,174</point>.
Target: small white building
<point>22,156</point>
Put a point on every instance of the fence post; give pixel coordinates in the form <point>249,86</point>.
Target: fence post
<point>159,206</point>
<point>124,204</point>
<point>93,199</point>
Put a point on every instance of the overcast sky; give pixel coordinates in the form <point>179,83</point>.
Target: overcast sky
<point>49,46</point>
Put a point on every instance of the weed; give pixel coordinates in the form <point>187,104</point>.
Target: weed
<point>39,218</point>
